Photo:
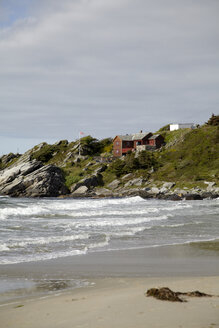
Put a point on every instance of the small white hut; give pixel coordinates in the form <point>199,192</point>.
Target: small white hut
<point>178,126</point>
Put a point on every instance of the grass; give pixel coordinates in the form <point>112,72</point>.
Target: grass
<point>194,156</point>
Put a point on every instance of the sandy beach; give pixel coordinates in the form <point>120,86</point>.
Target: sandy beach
<point>115,295</point>
<point>119,302</point>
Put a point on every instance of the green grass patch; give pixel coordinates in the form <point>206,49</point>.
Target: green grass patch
<point>194,156</point>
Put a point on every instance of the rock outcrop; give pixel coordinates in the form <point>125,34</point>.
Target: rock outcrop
<point>32,179</point>
<point>89,182</point>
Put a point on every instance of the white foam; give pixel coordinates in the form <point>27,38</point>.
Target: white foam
<point>179,224</point>
<point>22,211</point>
<point>117,221</point>
<point>72,208</point>
<point>4,247</point>
<point>130,232</point>
<point>45,240</point>
<point>73,227</point>
<point>43,257</point>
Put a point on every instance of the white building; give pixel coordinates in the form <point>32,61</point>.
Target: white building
<point>178,126</point>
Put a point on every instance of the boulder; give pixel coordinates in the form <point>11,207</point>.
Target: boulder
<point>155,190</point>
<point>100,169</point>
<point>163,190</point>
<point>210,183</point>
<point>193,197</point>
<point>114,184</point>
<point>103,192</point>
<point>168,185</point>
<point>127,176</point>
<point>134,182</point>
<point>173,197</point>
<point>90,182</point>
<point>145,194</point>
<point>32,179</point>
<point>213,188</point>
<point>80,191</point>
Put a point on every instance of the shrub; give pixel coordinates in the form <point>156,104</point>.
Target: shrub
<point>117,167</point>
<point>131,163</point>
<point>44,154</point>
<point>213,120</point>
<point>71,179</point>
<point>89,146</point>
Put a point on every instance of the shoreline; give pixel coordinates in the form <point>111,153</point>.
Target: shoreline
<point>143,192</point>
<point>134,261</point>
<point>59,275</point>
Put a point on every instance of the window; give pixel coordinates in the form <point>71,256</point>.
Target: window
<point>117,143</point>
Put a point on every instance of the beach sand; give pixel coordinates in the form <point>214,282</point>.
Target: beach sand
<point>116,294</point>
<point>118,302</point>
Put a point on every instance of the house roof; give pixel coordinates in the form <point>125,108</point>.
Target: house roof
<point>155,136</point>
<point>127,137</point>
<point>132,137</point>
<point>139,136</point>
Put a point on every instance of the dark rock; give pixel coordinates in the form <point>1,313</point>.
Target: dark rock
<point>100,169</point>
<point>193,197</point>
<point>144,194</point>
<point>173,197</point>
<point>90,182</point>
<point>208,194</point>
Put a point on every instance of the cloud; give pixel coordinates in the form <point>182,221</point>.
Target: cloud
<point>107,67</point>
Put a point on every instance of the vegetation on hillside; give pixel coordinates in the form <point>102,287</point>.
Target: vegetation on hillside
<point>213,120</point>
<point>190,156</point>
<point>66,156</point>
<point>144,161</point>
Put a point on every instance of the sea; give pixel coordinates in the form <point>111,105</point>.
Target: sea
<point>43,229</point>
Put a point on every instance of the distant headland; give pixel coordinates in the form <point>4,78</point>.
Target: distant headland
<point>172,163</point>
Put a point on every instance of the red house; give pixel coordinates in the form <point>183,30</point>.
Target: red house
<point>129,142</point>
<point>138,141</point>
<point>156,141</point>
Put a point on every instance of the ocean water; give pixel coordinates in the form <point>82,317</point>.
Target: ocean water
<point>43,229</point>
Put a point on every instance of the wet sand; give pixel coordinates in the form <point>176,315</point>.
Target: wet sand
<point>117,297</point>
<point>179,260</point>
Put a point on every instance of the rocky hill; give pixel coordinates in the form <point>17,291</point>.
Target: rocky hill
<point>186,167</point>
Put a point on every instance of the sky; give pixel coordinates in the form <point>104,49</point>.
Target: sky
<point>104,67</point>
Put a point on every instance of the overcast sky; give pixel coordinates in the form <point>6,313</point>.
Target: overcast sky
<point>104,67</point>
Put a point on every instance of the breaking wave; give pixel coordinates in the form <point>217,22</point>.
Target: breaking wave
<point>43,229</point>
